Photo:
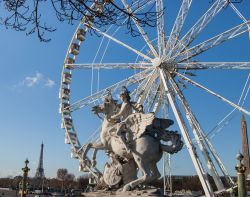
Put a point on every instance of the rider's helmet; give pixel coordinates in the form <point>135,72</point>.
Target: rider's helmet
<point>125,93</point>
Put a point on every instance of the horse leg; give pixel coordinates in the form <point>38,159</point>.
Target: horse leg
<point>144,167</point>
<point>155,172</point>
<point>96,147</point>
<point>121,127</point>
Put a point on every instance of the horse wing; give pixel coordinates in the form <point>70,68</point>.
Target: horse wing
<point>161,123</point>
<point>138,122</point>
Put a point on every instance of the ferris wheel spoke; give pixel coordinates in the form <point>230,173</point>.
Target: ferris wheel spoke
<point>240,15</point>
<point>213,93</point>
<point>213,65</point>
<point>160,27</point>
<point>180,19</point>
<point>142,32</point>
<point>210,43</point>
<point>102,93</point>
<point>142,65</point>
<point>122,44</point>
<point>198,27</point>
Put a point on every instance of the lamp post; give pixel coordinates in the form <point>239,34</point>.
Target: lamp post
<point>25,176</point>
<point>241,176</point>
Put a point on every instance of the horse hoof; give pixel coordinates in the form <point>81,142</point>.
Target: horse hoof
<point>127,188</point>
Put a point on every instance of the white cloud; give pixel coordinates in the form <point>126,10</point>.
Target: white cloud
<point>50,83</point>
<point>30,81</point>
<point>35,80</point>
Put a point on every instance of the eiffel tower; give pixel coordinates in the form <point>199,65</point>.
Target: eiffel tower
<point>40,170</point>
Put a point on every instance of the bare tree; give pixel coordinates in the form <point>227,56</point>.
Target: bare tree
<point>28,16</point>
<point>61,175</point>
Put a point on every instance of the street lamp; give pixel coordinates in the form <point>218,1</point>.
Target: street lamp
<point>25,176</point>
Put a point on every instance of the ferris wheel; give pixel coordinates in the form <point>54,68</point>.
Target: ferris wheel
<point>164,64</point>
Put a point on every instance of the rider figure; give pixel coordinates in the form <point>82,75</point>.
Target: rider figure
<point>125,111</point>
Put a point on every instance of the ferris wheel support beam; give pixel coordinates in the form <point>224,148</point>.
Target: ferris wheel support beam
<point>213,93</point>
<point>102,93</point>
<point>157,103</point>
<point>198,27</point>
<point>213,65</point>
<point>180,19</point>
<point>142,32</point>
<point>210,43</point>
<point>122,44</point>
<point>111,66</point>
<point>190,147</point>
<point>160,28</point>
<point>218,160</point>
<point>197,131</point>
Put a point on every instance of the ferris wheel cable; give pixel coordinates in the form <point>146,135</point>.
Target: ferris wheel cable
<point>142,32</point>
<point>197,131</point>
<point>178,24</point>
<point>138,91</point>
<point>92,137</point>
<point>210,43</point>
<point>147,85</point>
<point>192,34</point>
<point>109,28</point>
<point>142,85</point>
<point>213,93</point>
<point>149,92</point>
<point>122,44</point>
<point>160,27</point>
<point>154,98</point>
<point>222,123</point>
<point>102,93</point>
<point>92,71</point>
<point>213,65</point>
<point>144,65</point>
<point>183,128</point>
<point>240,15</point>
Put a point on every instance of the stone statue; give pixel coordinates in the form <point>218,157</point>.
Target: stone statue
<point>132,140</point>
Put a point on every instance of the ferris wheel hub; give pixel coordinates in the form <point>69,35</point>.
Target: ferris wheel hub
<point>156,62</point>
<point>168,66</point>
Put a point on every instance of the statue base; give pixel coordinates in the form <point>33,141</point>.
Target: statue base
<point>135,193</point>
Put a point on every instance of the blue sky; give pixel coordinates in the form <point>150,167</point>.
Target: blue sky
<point>30,81</point>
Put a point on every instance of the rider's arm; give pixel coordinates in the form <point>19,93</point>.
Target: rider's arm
<point>120,113</point>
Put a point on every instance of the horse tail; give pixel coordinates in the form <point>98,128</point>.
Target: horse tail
<point>171,149</point>
<point>173,141</point>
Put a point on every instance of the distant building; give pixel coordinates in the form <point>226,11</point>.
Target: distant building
<point>40,170</point>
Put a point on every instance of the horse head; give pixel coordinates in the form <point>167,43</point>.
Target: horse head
<point>108,108</point>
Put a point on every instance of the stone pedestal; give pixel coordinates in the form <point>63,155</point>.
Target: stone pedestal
<point>135,193</point>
